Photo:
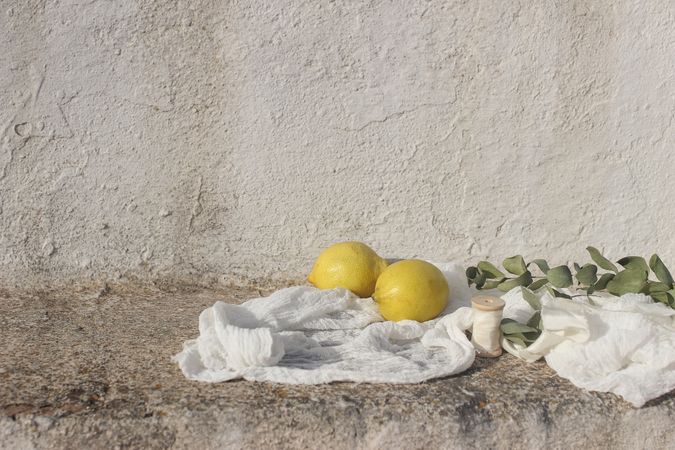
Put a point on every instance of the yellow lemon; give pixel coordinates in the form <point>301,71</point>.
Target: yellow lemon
<point>350,265</point>
<point>411,290</point>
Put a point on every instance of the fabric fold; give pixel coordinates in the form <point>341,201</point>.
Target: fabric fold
<point>624,345</point>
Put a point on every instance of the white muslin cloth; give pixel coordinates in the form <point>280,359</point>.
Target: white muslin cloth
<point>624,345</point>
<point>303,335</point>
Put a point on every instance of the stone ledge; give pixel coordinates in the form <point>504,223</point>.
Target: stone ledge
<point>89,367</point>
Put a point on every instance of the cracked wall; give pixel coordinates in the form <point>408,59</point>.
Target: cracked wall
<point>236,139</point>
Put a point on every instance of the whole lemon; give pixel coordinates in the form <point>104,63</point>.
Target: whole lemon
<point>350,265</point>
<point>411,290</point>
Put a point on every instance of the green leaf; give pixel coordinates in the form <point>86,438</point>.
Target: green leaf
<point>601,260</point>
<point>627,281</point>
<point>542,264</point>
<point>535,321</point>
<point>531,298</point>
<point>516,339</point>
<point>587,275</point>
<point>660,270</point>
<point>601,284</point>
<point>660,297</point>
<point>480,280</point>
<point>664,297</point>
<point>556,293</point>
<point>538,284</point>
<point>531,337</point>
<point>667,298</point>
<point>490,270</point>
<point>492,284</point>
<point>657,286</point>
<point>634,262</point>
<point>560,276</point>
<point>510,326</point>
<point>515,265</point>
<point>523,280</point>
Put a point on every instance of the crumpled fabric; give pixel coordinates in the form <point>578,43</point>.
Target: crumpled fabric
<point>303,335</point>
<point>624,345</point>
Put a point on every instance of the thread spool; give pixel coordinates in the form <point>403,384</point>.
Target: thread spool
<point>487,317</point>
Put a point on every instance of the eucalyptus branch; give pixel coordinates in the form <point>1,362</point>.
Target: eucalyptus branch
<point>634,277</point>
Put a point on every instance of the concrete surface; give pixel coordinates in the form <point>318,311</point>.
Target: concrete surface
<point>89,366</point>
<point>226,140</point>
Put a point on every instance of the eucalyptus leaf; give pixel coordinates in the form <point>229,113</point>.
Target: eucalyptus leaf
<point>587,274</point>
<point>663,297</point>
<point>490,270</point>
<point>535,320</point>
<point>660,270</point>
<point>627,281</point>
<point>480,280</point>
<point>538,284</point>
<point>523,280</point>
<point>492,284</point>
<point>560,276</point>
<point>562,295</point>
<point>510,326</point>
<point>556,293</point>
<point>577,267</point>
<point>670,297</point>
<point>657,286</point>
<point>634,262</point>
<point>601,260</point>
<point>601,284</point>
<point>531,298</point>
<point>516,339</point>
<point>515,265</point>
<point>542,264</point>
<point>531,337</point>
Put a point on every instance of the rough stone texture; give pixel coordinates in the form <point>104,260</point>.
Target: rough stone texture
<point>89,367</point>
<point>221,140</point>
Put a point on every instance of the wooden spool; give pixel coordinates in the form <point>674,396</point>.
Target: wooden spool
<point>488,303</point>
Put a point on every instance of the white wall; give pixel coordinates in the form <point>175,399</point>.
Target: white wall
<point>236,139</point>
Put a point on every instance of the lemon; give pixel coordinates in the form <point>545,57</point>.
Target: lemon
<point>411,290</point>
<point>350,265</point>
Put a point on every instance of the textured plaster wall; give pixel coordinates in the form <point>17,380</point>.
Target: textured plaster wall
<point>238,138</point>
